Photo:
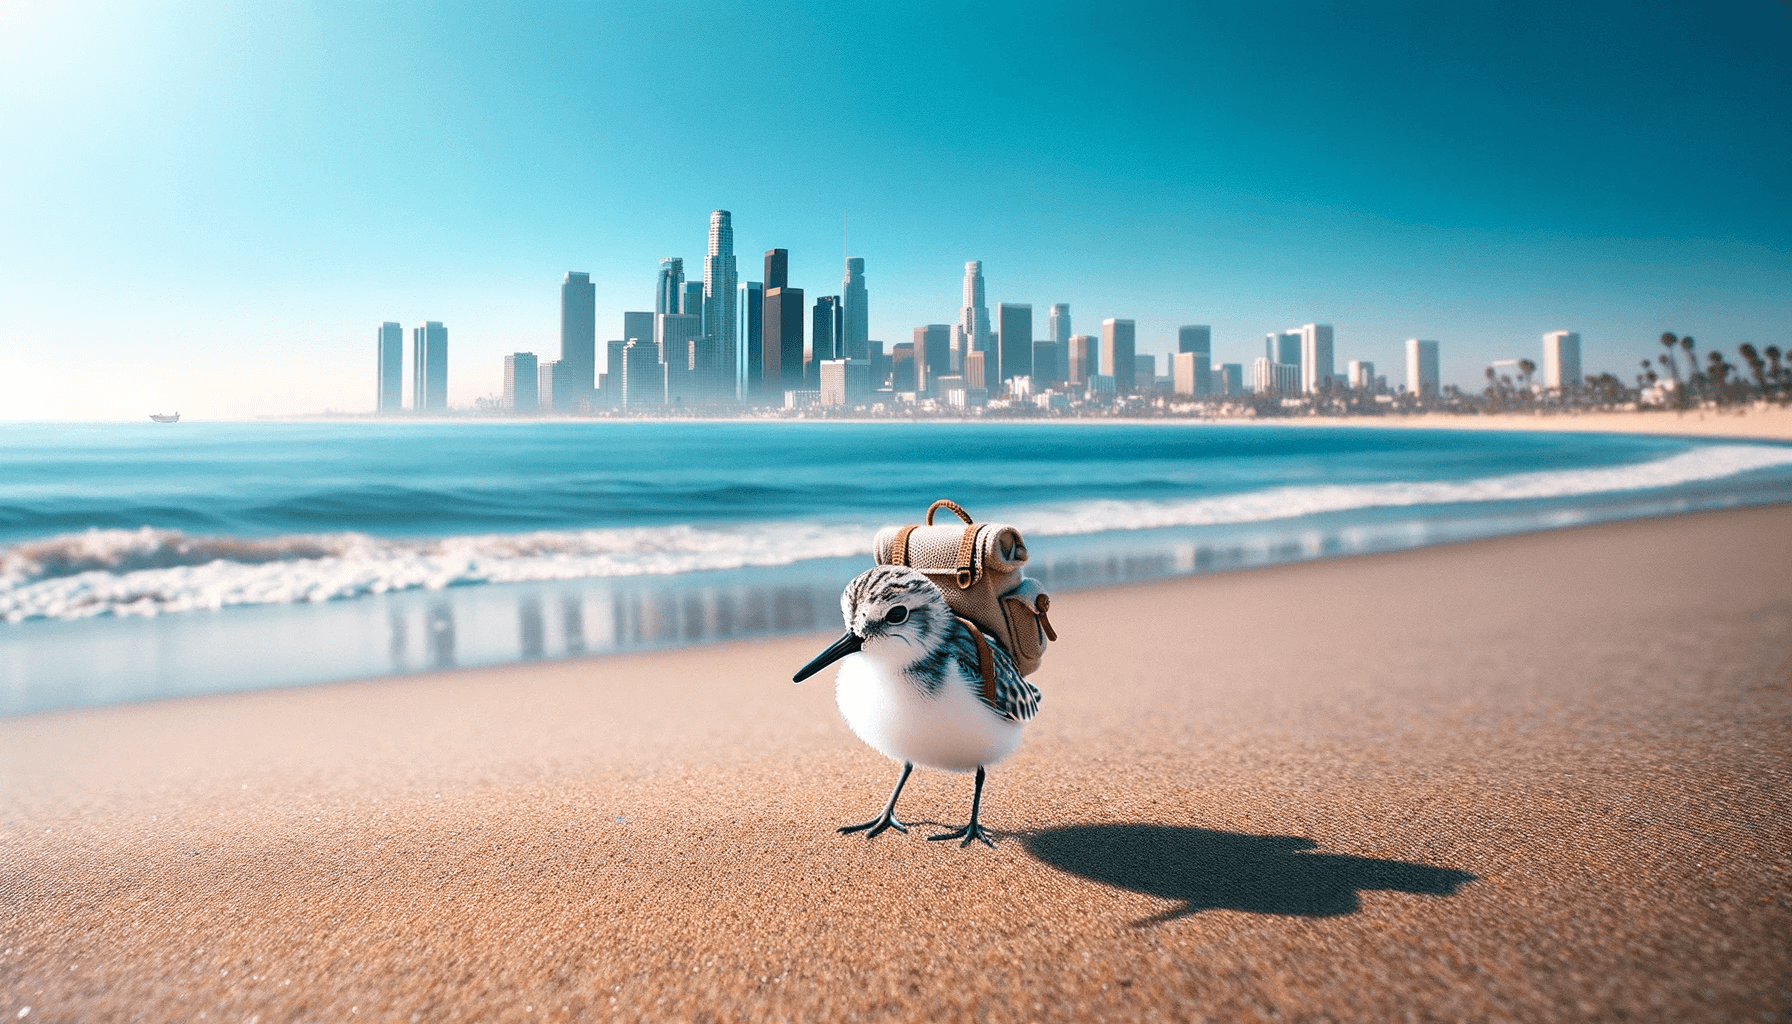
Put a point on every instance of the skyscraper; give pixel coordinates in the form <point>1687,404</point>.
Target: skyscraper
<point>429,367</point>
<point>904,374</point>
<point>1016,355</point>
<point>777,268</point>
<point>1197,339</point>
<point>845,382</point>
<point>1360,374</point>
<point>783,345</point>
<point>521,385</point>
<point>750,358</point>
<point>668,294</point>
<point>1561,360</point>
<point>637,324</point>
<point>1282,347</point>
<point>973,316</point>
<point>389,395</point>
<point>720,296</point>
<point>974,375</point>
<point>613,370</point>
<point>578,339</point>
<point>1316,365</point>
<point>546,373</point>
<point>1228,378</point>
<point>1080,364</point>
<point>643,375</point>
<point>1047,364</point>
<point>855,312</point>
<point>1421,367</point>
<point>1183,366</point>
<point>693,301</point>
<point>1272,378</point>
<point>1058,325</point>
<point>674,335</point>
<point>824,337</point>
<point>708,380</point>
<point>1117,353</point>
<point>933,343</point>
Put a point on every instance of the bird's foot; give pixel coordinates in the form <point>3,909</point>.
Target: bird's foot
<point>970,833</point>
<point>876,825</point>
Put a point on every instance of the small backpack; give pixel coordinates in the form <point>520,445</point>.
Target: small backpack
<point>980,568</point>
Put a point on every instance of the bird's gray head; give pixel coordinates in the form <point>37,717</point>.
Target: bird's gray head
<point>898,614</point>
<point>893,614</point>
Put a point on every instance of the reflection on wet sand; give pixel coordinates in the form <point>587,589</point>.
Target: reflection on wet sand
<point>70,664</point>
<point>531,631</point>
<point>441,635</point>
<point>604,616</point>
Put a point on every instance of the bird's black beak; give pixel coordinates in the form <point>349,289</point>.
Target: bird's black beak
<point>840,648</point>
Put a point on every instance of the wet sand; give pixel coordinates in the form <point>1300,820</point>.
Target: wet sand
<point>1763,423</point>
<point>1533,778</point>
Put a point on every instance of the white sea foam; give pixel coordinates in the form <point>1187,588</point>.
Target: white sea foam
<point>1713,462</point>
<point>149,572</point>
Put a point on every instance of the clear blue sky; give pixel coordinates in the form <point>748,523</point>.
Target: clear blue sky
<point>210,206</point>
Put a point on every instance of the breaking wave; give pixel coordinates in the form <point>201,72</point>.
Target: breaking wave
<point>150,572</point>
<point>1700,464</point>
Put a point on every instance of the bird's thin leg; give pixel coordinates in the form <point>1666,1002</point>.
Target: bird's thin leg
<point>888,818</point>
<point>973,831</point>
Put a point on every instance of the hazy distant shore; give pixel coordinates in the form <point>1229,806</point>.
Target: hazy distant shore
<point>1758,422</point>
<point>1762,423</point>
<point>1553,787</point>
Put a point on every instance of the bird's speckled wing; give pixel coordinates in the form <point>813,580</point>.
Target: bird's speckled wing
<point>1016,699</point>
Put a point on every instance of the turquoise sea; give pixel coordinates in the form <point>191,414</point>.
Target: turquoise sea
<point>142,561</point>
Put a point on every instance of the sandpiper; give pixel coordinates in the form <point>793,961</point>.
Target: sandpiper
<point>912,686</point>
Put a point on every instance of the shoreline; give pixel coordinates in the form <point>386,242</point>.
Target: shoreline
<point>1772,423</point>
<point>1484,780</point>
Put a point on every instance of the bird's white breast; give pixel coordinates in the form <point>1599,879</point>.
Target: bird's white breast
<point>951,730</point>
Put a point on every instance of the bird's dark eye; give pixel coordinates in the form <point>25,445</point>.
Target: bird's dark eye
<point>897,616</point>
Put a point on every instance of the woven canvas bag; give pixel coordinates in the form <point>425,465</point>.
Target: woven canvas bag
<point>981,569</point>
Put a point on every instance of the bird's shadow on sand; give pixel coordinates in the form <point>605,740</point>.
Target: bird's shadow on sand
<point>1208,870</point>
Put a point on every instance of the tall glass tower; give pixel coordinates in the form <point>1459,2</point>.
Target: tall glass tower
<point>719,284</point>
<point>429,367</point>
<point>750,355</point>
<point>1059,325</point>
<point>391,369</point>
<point>578,339</point>
<point>855,313</point>
<point>668,296</point>
<point>973,317</point>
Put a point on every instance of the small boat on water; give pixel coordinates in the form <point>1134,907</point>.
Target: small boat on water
<point>163,417</point>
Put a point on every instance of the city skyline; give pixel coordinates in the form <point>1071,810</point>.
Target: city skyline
<point>242,212</point>
<point>696,367</point>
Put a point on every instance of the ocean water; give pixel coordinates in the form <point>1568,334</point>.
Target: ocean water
<point>143,561</point>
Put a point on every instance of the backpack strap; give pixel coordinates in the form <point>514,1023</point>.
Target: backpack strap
<point>952,506</point>
<point>899,547</point>
<point>967,556</point>
<point>986,662</point>
<point>1045,603</point>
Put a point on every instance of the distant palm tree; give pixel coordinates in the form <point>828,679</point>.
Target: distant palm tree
<point>1525,369</point>
<point>1756,364</point>
<point>1692,360</point>
<point>1772,352</point>
<point>1718,373</point>
<point>1668,341</point>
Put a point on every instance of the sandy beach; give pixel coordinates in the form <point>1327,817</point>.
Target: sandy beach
<point>1763,423</point>
<point>1533,778</point>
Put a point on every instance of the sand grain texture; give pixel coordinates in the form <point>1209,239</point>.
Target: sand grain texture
<point>1535,778</point>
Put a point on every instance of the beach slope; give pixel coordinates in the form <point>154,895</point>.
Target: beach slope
<point>1539,777</point>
